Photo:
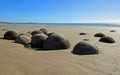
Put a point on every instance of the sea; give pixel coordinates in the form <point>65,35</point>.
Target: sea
<point>71,24</point>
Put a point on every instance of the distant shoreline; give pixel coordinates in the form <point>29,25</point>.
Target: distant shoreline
<point>66,24</point>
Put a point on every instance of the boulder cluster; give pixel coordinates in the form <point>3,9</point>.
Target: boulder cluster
<point>85,47</point>
<point>104,38</point>
<point>39,39</point>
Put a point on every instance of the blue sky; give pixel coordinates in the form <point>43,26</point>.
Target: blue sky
<point>56,11</point>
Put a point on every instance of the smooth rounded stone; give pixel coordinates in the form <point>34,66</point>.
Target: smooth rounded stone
<point>85,48</point>
<point>99,35</point>
<point>112,31</point>
<point>23,39</point>
<point>56,41</point>
<point>51,33</point>
<point>82,33</point>
<point>44,30</point>
<point>11,35</point>
<point>36,32</point>
<point>38,40</point>
<point>107,39</point>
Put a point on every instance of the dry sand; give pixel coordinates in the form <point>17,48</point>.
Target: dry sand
<point>17,60</point>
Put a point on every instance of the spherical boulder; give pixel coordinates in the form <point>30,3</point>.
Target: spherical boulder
<point>44,30</point>
<point>11,35</point>
<point>38,40</point>
<point>107,39</point>
<point>56,41</point>
<point>36,32</point>
<point>99,35</point>
<point>85,48</point>
<point>23,39</point>
<point>82,33</point>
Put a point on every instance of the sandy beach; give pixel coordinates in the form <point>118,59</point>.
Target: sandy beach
<point>15,59</point>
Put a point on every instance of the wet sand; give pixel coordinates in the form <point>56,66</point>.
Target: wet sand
<point>15,59</point>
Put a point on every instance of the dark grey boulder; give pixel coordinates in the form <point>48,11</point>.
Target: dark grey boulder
<point>23,39</point>
<point>36,32</point>
<point>44,30</point>
<point>11,35</point>
<point>38,40</point>
<point>107,39</point>
<point>56,41</point>
<point>85,48</point>
<point>99,35</point>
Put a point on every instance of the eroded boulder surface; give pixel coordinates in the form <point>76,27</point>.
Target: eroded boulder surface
<point>56,41</point>
<point>11,35</point>
<point>99,35</point>
<point>23,39</point>
<point>36,32</point>
<point>44,30</point>
<point>107,39</point>
<point>85,48</point>
<point>38,40</point>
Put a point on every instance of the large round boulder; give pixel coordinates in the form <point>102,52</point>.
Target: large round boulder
<point>107,39</point>
<point>23,39</point>
<point>56,41</point>
<point>36,32</point>
<point>44,30</point>
<point>38,40</point>
<point>99,35</point>
<point>11,35</point>
<point>85,48</point>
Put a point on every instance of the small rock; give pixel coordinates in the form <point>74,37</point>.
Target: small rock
<point>85,39</point>
<point>36,32</point>
<point>112,31</point>
<point>44,30</point>
<point>83,33</point>
<point>99,35</point>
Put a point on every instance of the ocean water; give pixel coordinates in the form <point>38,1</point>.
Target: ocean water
<point>72,24</point>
